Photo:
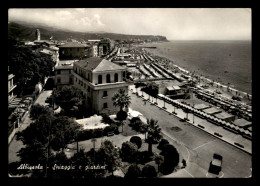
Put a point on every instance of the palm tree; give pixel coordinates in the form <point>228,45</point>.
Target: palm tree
<point>122,100</point>
<point>153,133</point>
<point>158,160</point>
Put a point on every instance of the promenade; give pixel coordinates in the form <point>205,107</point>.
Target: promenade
<point>195,121</point>
<point>200,144</point>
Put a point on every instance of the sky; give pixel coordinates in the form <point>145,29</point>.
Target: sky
<point>174,23</point>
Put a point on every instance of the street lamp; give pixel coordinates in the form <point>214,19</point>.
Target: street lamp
<point>174,109</point>
<point>164,103</point>
<point>156,100</point>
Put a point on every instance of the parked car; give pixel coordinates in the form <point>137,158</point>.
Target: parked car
<point>216,164</point>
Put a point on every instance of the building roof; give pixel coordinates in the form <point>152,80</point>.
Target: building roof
<point>224,115</point>
<point>241,122</point>
<point>72,44</point>
<point>97,64</point>
<point>201,106</point>
<point>65,64</point>
<point>176,87</point>
<point>212,110</point>
<point>170,88</point>
<point>44,41</point>
<point>46,51</point>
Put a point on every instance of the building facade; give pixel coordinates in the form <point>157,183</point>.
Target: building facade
<point>99,79</point>
<point>63,73</point>
<point>73,50</point>
<point>11,87</point>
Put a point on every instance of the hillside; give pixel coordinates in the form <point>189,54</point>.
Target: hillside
<point>27,32</point>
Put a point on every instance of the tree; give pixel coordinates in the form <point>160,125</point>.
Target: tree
<point>121,100</point>
<point>171,159</point>
<point>80,160</point>
<point>128,151</point>
<point>109,156</point>
<point>136,123</point>
<point>54,132</point>
<point>153,133</point>
<point>37,110</point>
<point>29,67</point>
<point>133,171</point>
<point>162,143</point>
<point>149,171</point>
<point>136,140</point>
<point>69,98</point>
<point>158,160</point>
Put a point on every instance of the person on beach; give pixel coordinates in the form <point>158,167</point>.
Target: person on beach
<point>144,102</point>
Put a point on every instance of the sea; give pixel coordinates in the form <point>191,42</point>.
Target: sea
<point>222,61</point>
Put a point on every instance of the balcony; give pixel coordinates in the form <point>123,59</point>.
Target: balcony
<point>10,89</point>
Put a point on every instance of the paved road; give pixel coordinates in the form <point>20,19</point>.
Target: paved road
<point>200,145</point>
<point>15,145</point>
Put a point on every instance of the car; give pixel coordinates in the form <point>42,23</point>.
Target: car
<point>216,164</point>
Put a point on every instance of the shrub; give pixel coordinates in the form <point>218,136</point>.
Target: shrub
<point>136,140</point>
<point>162,143</point>
<point>143,157</point>
<point>149,171</point>
<point>171,159</point>
<point>136,123</point>
<point>121,115</point>
<point>133,171</point>
<point>37,110</point>
<point>128,152</point>
<point>106,118</point>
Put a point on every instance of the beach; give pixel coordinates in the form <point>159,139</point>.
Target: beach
<point>226,62</point>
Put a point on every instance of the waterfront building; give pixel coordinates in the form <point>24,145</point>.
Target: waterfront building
<point>73,50</point>
<point>99,79</point>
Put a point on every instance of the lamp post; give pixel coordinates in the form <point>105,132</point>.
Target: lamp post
<point>94,141</point>
<point>174,109</point>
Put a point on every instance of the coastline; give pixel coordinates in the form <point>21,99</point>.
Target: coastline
<point>189,69</point>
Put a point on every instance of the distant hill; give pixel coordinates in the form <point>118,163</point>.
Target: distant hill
<point>26,31</point>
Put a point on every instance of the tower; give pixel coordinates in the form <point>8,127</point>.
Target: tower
<point>38,34</point>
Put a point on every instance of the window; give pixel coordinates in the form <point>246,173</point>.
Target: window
<point>108,78</point>
<point>58,71</point>
<point>58,80</point>
<point>116,77</point>
<point>76,79</point>
<point>84,85</point>
<point>88,89</point>
<point>71,80</point>
<point>105,94</point>
<point>99,79</point>
<point>105,105</point>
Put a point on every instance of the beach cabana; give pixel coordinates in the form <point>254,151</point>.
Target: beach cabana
<point>212,111</point>
<point>225,116</point>
<point>242,123</point>
<point>201,106</point>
